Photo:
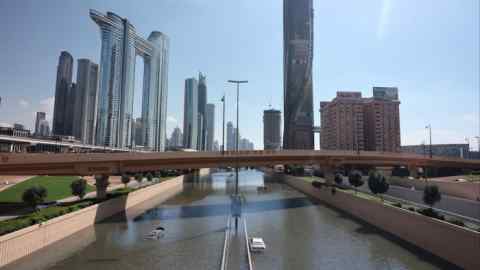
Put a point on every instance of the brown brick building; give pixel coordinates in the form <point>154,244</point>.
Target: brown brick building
<point>350,122</point>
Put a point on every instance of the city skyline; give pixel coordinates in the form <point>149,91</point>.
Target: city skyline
<point>437,81</point>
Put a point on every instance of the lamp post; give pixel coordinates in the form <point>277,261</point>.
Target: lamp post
<point>429,127</point>
<point>223,126</point>
<point>236,146</point>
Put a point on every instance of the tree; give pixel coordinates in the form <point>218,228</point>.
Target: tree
<point>355,179</point>
<point>79,187</point>
<point>338,178</point>
<point>431,195</point>
<point>139,177</point>
<point>149,176</point>
<point>377,183</point>
<point>34,196</point>
<point>125,179</point>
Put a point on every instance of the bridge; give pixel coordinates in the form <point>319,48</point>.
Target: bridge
<point>118,163</point>
<point>22,144</point>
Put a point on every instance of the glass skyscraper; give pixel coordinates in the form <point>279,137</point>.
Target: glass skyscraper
<point>297,68</point>
<point>62,94</point>
<point>190,114</point>
<point>120,46</point>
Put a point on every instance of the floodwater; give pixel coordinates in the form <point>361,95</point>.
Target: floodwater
<point>300,233</point>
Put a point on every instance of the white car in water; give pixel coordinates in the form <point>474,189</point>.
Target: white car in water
<point>156,233</point>
<point>256,244</point>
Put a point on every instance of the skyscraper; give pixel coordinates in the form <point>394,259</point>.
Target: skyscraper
<point>176,138</point>
<point>190,114</point>
<point>210,126</point>
<point>202,104</point>
<point>271,129</point>
<point>85,110</point>
<point>70,109</point>
<point>297,74</point>
<point>39,117</point>
<point>43,128</point>
<point>230,137</point>
<point>62,90</point>
<point>120,46</point>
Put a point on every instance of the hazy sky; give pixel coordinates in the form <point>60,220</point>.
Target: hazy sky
<point>429,49</point>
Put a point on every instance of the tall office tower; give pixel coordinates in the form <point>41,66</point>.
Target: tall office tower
<point>137,132</point>
<point>202,107</point>
<point>272,120</point>
<point>39,117</point>
<point>210,126</point>
<point>176,139</point>
<point>297,74</point>
<point>70,109</point>
<point>245,144</point>
<point>230,137</point>
<point>236,136</point>
<point>62,89</point>
<point>85,110</point>
<point>43,128</point>
<point>120,46</point>
<point>216,146</point>
<point>350,122</point>
<point>190,114</point>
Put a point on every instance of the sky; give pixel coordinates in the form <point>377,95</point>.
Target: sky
<point>429,49</point>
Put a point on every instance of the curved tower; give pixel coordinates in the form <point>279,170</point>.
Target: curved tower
<point>120,46</point>
<point>297,74</point>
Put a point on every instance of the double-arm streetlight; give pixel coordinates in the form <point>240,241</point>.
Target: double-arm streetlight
<point>236,144</point>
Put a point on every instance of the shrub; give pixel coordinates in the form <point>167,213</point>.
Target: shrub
<point>338,178</point>
<point>125,179</point>
<point>411,209</point>
<point>457,222</point>
<point>377,183</point>
<point>79,187</point>
<point>139,177</point>
<point>149,177</point>
<point>317,184</point>
<point>429,212</point>
<point>431,195</point>
<point>34,196</point>
<point>355,179</point>
<point>397,204</point>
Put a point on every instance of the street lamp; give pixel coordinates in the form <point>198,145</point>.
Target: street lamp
<point>223,125</point>
<point>429,127</point>
<point>236,146</point>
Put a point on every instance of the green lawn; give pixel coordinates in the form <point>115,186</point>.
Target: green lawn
<point>58,187</point>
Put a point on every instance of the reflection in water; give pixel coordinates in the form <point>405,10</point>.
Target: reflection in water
<point>300,233</point>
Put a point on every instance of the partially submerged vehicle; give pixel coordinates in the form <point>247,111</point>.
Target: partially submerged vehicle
<point>256,244</point>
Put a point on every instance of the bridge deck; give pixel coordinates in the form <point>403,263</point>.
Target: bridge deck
<point>117,163</point>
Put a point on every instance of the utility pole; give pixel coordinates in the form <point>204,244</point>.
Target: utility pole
<point>429,127</point>
<point>236,146</point>
<point>223,126</point>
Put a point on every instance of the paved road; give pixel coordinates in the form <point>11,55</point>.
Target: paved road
<point>453,204</point>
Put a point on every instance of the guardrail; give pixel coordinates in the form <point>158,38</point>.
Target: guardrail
<point>249,255</point>
<point>224,262</point>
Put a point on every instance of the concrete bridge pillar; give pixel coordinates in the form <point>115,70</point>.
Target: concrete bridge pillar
<point>101,183</point>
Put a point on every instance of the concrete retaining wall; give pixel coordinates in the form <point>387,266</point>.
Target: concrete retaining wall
<point>450,242</point>
<point>466,190</point>
<point>18,244</point>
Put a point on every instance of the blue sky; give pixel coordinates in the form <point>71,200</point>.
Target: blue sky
<point>429,49</point>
